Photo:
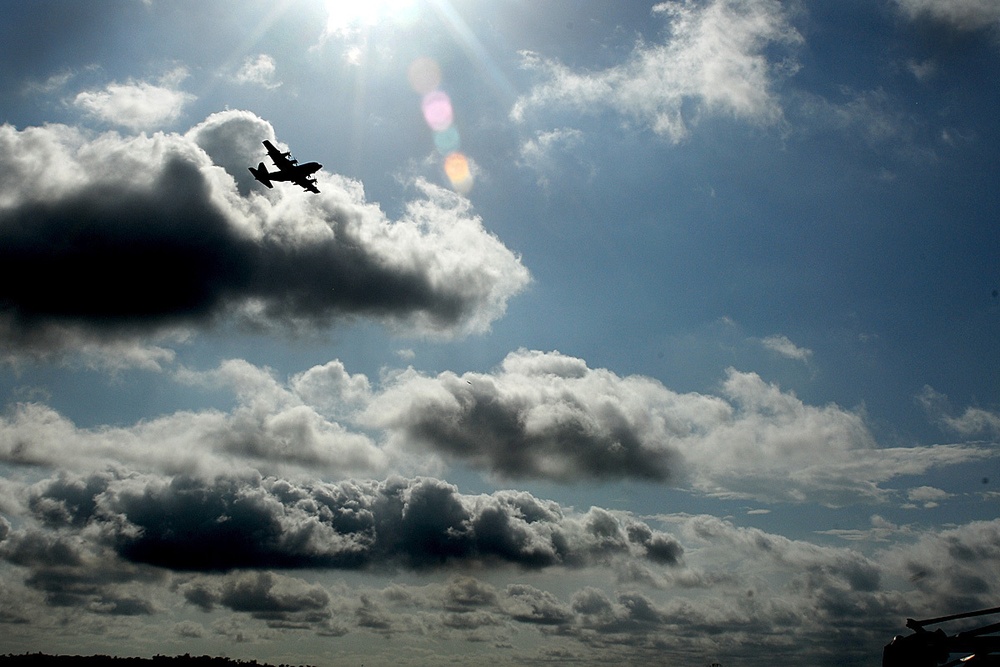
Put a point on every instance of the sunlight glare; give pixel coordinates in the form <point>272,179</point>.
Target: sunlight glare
<point>345,17</point>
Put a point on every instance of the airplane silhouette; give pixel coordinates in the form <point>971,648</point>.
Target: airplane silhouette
<point>288,170</point>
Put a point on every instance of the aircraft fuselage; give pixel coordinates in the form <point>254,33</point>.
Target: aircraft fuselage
<point>294,172</point>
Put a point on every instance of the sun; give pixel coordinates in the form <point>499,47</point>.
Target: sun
<point>346,17</point>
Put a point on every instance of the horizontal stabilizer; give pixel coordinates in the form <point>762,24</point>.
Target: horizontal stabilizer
<point>261,174</point>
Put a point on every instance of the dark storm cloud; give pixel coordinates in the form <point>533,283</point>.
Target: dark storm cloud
<point>70,571</point>
<point>108,237</point>
<point>231,523</point>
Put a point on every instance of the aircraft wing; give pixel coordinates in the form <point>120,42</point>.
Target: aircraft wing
<point>281,160</point>
<point>307,183</point>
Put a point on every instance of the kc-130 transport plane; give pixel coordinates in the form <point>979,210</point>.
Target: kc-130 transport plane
<point>288,170</point>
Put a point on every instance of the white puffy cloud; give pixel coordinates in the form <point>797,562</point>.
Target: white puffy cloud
<point>137,105</point>
<point>258,71</point>
<point>715,60</point>
<point>269,429</point>
<point>539,415</point>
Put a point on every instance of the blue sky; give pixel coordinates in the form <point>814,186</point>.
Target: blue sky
<point>689,355</point>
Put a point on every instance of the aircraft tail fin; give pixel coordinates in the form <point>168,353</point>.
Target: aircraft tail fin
<point>261,174</point>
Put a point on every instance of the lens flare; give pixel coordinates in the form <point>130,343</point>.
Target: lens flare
<point>437,110</point>
<point>456,168</point>
<point>424,75</point>
<point>346,18</point>
<point>447,141</point>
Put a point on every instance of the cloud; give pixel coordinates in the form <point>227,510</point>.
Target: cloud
<point>786,348</point>
<point>269,429</point>
<point>539,415</point>
<point>109,238</point>
<point>927,495</point>
<point>543,415</point>
<point>258,71</point>
<point>716,60</point>
<point>233,140</point>
<point>960,14</point>
<point>877,119</point>
<point>974,421</point>
<point>137,105</point>
<point>122,543</point>
<point>955,568</point>
<point>280,600</point>
<point>249,522</point>
<point>550,416</point>
<point>73,571</point>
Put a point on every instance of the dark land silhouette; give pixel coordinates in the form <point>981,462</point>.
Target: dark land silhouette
<point>44,660</point>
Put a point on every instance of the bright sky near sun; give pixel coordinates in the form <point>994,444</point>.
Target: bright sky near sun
<point>618,332</point>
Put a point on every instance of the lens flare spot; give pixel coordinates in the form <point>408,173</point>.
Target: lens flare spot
<point>424,75</point>
<point>456,168</point>
<point>447,141</point>
<point>437,110</point>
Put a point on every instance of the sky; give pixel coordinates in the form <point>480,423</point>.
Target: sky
<point>619,332</point>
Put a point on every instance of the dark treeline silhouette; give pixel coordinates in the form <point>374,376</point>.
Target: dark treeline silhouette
<point>186,660</point>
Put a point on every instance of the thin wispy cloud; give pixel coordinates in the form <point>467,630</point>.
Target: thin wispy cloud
<point>781,344</point>
<point>961,14</point>
<point>973,421</point>
<point>714,60</point>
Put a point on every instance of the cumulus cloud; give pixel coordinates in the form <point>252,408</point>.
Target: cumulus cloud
<point>70,570</point>
<point>717,58</point>
<point>247,548</point>
<point>539,415</point>
<point>228,523</point>
<point>270,429</point>
<point>233,140</point>
<point>278,599</point>
<point>106,238</point>
<point>137,105</point>
<point>258,71</point>
<point>961,14</point>
<point>955,568</point>
<point>550,416</point>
